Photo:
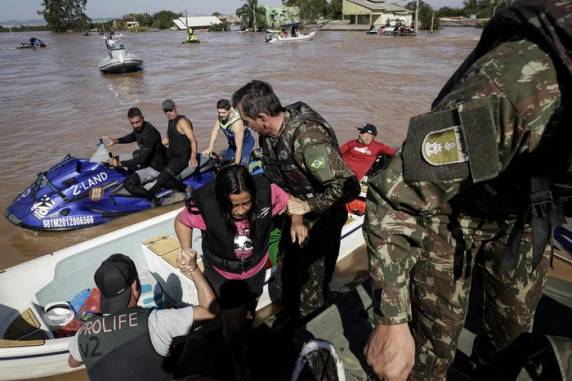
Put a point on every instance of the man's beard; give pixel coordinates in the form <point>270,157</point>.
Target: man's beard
<point>222,120</point>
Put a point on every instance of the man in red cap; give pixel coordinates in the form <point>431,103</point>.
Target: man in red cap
<point>360,154</point>
<point>130,342</point>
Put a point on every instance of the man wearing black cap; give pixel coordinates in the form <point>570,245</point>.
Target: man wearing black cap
<point>360,154</point>
<point>182,149</point>
<point>131,342</point>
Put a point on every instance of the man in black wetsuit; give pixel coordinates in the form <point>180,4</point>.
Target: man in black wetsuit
<point>148,161</point>
<point>182,149</point>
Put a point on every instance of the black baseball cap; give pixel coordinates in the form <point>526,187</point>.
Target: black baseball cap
<point>114,278</point>
<point>370,128</point>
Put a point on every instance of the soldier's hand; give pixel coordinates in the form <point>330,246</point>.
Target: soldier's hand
<point>390,351</point>
<point>298,231</point>
<point>297,206</point>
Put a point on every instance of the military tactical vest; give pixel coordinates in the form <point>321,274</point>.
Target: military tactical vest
<point>118,347</point>
<point>525,189</point>
<point>179,144</point>
<point>279,165</point>
<point>218,239</point>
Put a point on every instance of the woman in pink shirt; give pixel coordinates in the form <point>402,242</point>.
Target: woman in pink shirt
<point>234,214</point>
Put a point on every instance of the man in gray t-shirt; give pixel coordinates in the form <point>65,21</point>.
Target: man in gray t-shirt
<point>130,342</point>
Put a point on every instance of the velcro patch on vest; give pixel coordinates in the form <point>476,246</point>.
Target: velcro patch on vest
<point>453,144</point>
<point>434,148</point>
<point>480,137</point>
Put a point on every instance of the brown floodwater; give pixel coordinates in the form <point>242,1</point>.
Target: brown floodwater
<point>54,101</point>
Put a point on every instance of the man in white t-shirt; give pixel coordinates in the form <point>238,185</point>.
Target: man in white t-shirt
<point>131,342</point>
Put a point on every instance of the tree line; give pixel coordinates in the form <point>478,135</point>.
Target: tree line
<point>63,15</point>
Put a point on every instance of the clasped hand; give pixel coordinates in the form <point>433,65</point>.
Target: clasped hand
<point>187,259</point>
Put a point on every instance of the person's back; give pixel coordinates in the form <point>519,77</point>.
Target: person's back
<point>102,343</point>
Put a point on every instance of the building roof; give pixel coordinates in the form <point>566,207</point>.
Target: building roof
<point>196,21</point>
<point>379,5</point>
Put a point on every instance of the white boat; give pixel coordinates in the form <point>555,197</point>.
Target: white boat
<point>28,347</point>
<point>274,37</point>
<point>118,60</point>
<point>397,27</point>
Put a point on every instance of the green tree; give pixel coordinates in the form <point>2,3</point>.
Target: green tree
<point>450,12</point>
<point>144,19</point>
<point>62,15</point>
<point>426,12</point>
<point>483,8</point>
<point>310,10</point>
<point>247,12</point>
<point>164,19</point>
<point>335,9</point>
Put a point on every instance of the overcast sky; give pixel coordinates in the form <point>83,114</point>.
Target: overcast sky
<point>26,9</point>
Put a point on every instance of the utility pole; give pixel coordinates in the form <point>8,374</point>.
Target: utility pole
<point>416,16</point>
<point>255,4</point>
<point>432,18</point>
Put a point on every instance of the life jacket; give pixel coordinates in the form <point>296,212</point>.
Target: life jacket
<point>225,127</point>
<point>549,24</point>
<point>278,162</point>
<point>118,347</point>
<point>218,238</point>
<point>179,144</point>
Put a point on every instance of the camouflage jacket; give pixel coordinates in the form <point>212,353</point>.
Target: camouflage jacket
<point>305,160</point>
<point>465,157</point>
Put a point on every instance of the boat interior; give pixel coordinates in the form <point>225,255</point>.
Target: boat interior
<point>162,284</point>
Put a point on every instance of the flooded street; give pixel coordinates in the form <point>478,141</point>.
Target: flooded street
<point>55,101</point>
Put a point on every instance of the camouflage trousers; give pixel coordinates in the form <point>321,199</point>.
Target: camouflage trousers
<point>304,273</point>
<point>439,299</point>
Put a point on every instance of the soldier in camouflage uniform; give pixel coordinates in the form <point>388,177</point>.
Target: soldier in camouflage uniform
<point>302,156</point>
<point>473,183</point>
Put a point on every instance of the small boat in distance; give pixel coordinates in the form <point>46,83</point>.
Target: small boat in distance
<point>34,43</point>
<point>274,36</point>
<point>118,61</point>
<point>397,27</point>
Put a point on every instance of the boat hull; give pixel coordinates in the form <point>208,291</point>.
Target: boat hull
<point>47,280</point>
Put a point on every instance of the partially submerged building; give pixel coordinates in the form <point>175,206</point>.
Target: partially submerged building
<point>374,12</point>
<point>196,22</point>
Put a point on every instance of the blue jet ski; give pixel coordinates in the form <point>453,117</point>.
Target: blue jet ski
<point>78,193</point>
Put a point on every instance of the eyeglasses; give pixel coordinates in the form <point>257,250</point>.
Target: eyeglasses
<point>167,110</point>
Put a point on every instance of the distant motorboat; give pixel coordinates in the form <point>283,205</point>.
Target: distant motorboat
<point>397,27</point>
<point>118,60</point>
<point>274,37</point>
<point>34,43</point>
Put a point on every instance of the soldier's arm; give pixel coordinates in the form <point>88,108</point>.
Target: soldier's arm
<point>316,152</point>
<point>511,94</point>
